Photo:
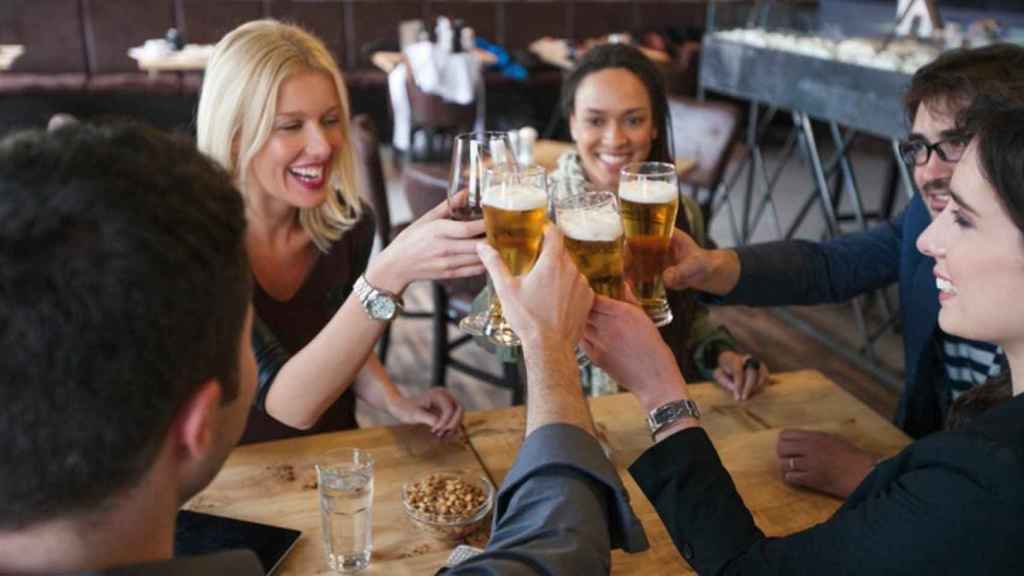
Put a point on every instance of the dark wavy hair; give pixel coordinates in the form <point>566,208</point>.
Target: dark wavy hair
<point>124,285</point>
<point>957,77</point>
<point>624,56</point>
<point>995,121</point>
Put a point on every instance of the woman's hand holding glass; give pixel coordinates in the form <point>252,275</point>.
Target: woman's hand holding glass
<point>431,248</point>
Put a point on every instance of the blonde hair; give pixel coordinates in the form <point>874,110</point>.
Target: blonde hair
<point>239,101</point>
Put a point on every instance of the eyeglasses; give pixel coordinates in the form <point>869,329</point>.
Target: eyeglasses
<point>918,152</point>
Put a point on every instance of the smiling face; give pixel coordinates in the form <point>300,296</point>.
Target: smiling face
<point>296,162</point>
<point>933,124</point>
<point>612,123</point>
<point>979,259</point>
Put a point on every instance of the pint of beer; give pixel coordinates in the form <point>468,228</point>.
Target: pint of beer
<point>473,153</point>
<point>515,211</point>
<point>649,201</point>
<point>593,235</point>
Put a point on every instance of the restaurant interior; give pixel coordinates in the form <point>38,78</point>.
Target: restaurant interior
<point>787,122</point>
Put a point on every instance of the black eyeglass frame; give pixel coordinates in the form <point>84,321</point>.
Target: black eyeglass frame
<point>909,150</point>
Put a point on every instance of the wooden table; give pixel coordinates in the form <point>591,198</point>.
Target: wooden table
<point>8,54</point>
<point>546,153</point>
<point>274,482</point>
<point>744,434</point>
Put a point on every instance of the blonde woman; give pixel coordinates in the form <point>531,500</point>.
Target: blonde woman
<point>274,112</point>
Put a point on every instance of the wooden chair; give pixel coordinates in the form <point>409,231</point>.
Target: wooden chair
<point>374,189</point>
<point>425,187</point>
<point>426,184</point>
<point>706,132</point>
<point>439,121</point>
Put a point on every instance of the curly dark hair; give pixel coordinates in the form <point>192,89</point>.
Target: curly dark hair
<point>624,56</point>
<point>124,285</point>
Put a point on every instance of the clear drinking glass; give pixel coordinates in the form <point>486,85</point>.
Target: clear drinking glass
<point>515,202</point>
<point>472,155</point>
<point>589,218</point>
<point>590,221</point>
<point>648,202</point>
<point>345,483</point>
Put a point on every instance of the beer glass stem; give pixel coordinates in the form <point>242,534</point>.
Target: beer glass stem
<point>497,329</point>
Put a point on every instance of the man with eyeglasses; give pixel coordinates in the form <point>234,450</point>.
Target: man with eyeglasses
<point>938,367</point>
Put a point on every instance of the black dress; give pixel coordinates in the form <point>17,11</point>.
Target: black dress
<point>281,329</point>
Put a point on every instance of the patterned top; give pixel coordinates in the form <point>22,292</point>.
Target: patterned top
<point>969,363</point>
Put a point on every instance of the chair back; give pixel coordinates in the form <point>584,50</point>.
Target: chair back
<point>426,185</point>
<point>371,173</point>
<point>432,112</point>
<point>704,131</point>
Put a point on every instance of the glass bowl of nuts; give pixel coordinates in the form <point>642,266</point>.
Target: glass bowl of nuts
<point>449,504</point>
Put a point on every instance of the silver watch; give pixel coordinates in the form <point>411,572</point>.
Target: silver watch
<point>379,304</point>
<point>668,413</point>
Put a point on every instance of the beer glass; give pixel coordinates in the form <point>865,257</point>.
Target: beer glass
<point>515,204</point>
<point>648,202</point>
<point>472,155</point>
<point>589,219</point>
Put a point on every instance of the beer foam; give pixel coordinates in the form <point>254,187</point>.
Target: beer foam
<point>648,191</point>
<point>515,197</point>
<point>593,226</point>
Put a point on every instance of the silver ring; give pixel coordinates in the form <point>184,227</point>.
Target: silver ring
<point>792,464</point>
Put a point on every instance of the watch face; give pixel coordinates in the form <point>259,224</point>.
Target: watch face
<point>382,308</point>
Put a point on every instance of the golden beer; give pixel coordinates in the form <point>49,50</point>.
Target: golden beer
<point>600,263</point>
<point>648,217</point>
<point>514,217</point>
<point>593,237</point>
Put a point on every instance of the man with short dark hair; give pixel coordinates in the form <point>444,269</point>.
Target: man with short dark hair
<point>938,366</point>
<point>128,376</point>
<point>124,320</point>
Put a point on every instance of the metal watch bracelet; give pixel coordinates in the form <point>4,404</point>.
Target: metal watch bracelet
<point>671,412</point>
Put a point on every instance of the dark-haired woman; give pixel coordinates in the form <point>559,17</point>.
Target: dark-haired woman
<point>618,114</point>
<point>950,503</point>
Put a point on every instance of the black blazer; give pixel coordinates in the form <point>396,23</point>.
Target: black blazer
<point>951,503</point>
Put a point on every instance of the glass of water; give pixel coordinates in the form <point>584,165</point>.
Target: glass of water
<point>345,482</point>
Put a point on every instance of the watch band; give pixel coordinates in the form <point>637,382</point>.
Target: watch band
<point>671,412</point>
<point>368,294</point>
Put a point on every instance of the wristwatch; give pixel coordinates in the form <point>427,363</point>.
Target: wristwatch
<point>666,414</point>
<point>378,303</point>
